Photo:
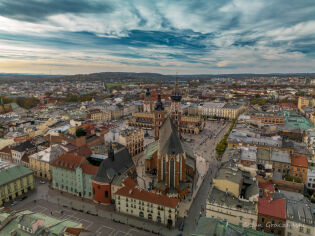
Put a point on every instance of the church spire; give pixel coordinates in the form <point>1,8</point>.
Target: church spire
<point>176,95</point>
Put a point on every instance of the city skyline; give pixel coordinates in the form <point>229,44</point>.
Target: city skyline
<point>208,37</point>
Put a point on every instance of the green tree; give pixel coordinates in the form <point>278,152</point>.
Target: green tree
<point>80,132</point>
<point>27,103</point>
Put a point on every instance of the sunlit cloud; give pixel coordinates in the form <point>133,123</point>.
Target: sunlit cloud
<point>192,37</point>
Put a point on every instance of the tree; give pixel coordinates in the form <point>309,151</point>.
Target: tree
<point>27,103</point>
<point>80,132</point>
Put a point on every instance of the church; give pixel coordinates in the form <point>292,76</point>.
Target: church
<point>146,119</point>
<point>168,158</point>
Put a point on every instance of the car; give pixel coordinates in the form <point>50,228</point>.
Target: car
<point>13,203</point>
<point>42,182</point>
<point>181,226</point>
<point>24,197</point>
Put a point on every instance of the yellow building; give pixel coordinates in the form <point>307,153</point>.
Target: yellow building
<point>133,139</point>
<point>305,102</point>
<point>234,198</point>
<point>40,162</point>
<point>15,180</point>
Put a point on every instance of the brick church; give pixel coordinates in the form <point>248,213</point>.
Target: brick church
<point>168,158</point>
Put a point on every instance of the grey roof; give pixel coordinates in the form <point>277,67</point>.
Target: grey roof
<point>169,142</point>
<point>232,105</point>
<point>24,146</point>
<point>280,156</point>
<point>248,153</point>
<point>231,175</point>
<point>251,190</point>
<point>263,154</point>
<point>299,208</point>
<point>109,169</point>
<point>230,154</point>
<point>227,199</point>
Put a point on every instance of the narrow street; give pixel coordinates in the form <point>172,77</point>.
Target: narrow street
<point>205,146</point>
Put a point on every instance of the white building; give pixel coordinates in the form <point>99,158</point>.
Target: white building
<point>310,179</point>
<point>159,208</point>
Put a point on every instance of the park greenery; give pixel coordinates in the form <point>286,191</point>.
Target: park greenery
<point>293,179</point>
<point>24,102</point>
<point>222,145</point>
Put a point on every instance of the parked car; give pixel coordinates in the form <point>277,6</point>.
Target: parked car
<point>42,182</point>
<point>181,226</point>
<point>24,197</point>
<point>13,203</point>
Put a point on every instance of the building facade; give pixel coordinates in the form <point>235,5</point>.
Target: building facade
<point>151,116</point>
<point>299,167</point>
<point>73,174</point>
<point>40,161</point>
<point>151,206</point>
<point>15,180</point>
<point>133,139</point>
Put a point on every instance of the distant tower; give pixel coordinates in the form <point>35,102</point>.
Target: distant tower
<point>147,104</point>
<point>159,117</point>
<point>176,107</point>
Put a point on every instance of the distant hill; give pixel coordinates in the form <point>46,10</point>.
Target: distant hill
<point>143,77</point>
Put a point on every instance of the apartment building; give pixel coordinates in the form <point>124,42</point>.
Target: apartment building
<point>299,167</point>
<point>40,161</point>
<point>73,174</point>
<point>232,200</point>
<point>222,110</point>
<point>133,139</point>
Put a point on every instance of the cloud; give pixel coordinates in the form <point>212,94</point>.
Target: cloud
<point>206,36</point>
<point>39,10</point>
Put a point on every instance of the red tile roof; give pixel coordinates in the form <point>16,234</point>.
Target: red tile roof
<point>130,190</point>
<point>272,207</point>
<point>267,186</point>
<point>83,151</point>
<point>6,150</point>
<point>269,206</point>
<point>75,231</point>
<point>71,161</point>
<point>25,158</point>
<point>299,160</point>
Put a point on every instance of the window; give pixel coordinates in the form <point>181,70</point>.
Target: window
<point>158,219</point>
<point>141,214</point>
<point>308,231</point>
<point>106,194</point>
<point>150,217</point>
<point>301,229</point>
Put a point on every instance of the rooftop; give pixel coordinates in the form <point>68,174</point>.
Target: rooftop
<point>228,200</point>
<point>10,172</point>
<point>213,226</point>
<point>131,190</point>
<point>297,120</point>
<point>299,160</point>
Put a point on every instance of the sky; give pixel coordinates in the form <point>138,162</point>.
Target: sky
<point>160,36</point>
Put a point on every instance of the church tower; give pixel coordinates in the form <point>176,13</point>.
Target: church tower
<point>147,104</point>
<point>159,117</point>
<point>176,107</point>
